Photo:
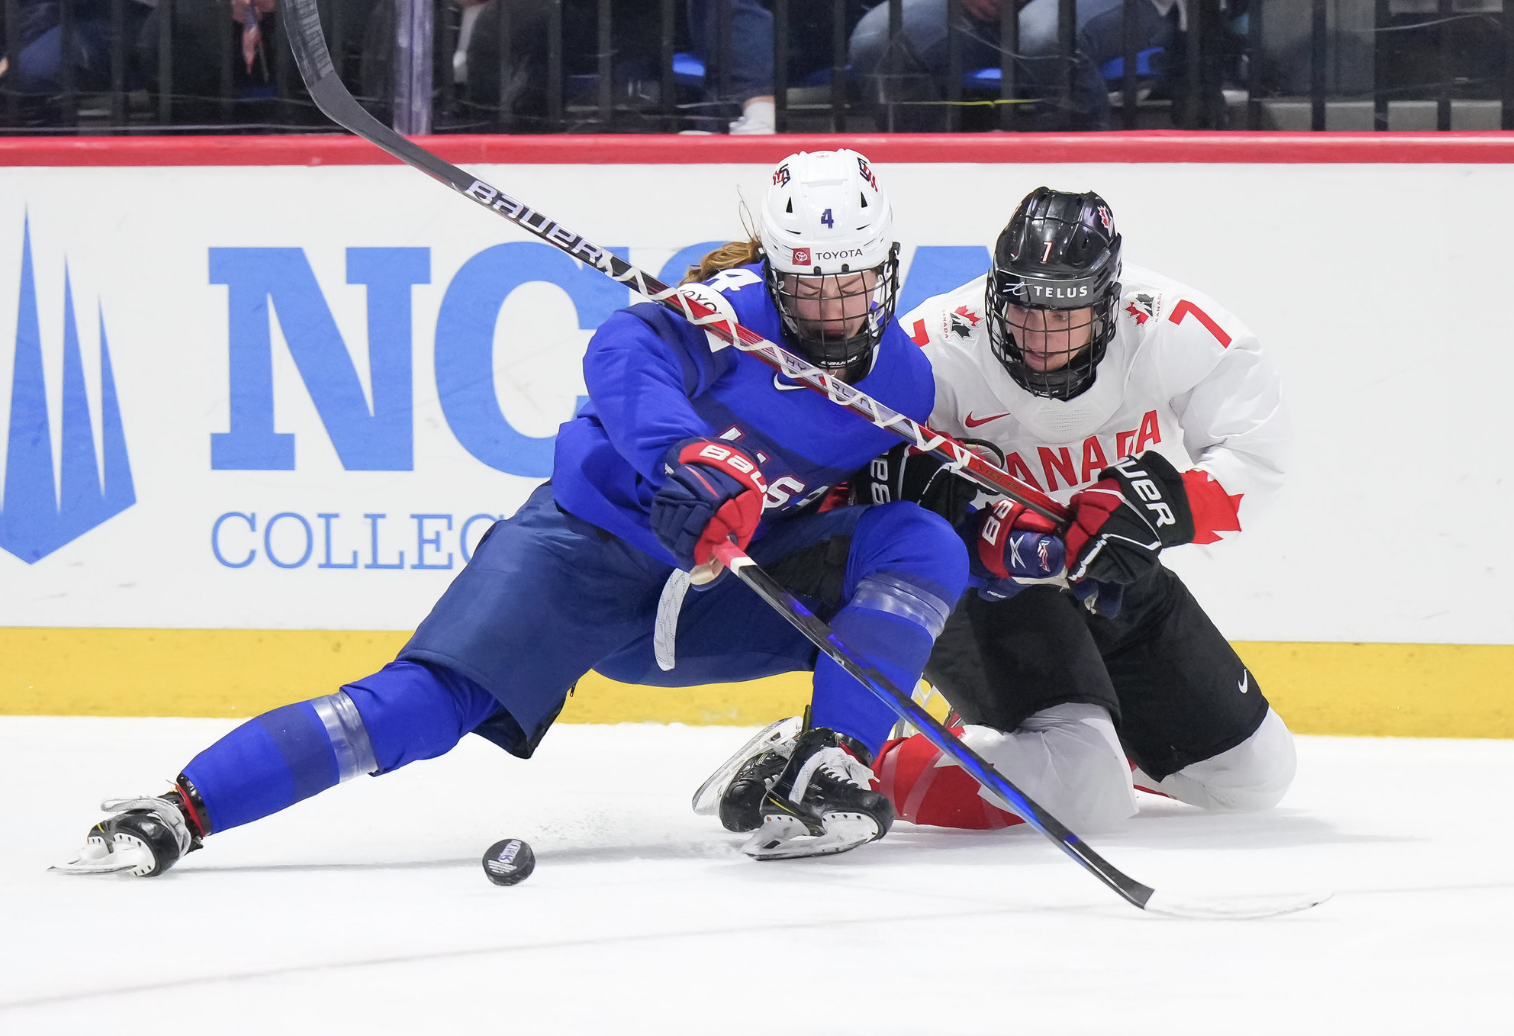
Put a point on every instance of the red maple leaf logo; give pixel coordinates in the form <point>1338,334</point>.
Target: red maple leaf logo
<point>1135,311</point>
<point>972,318</point>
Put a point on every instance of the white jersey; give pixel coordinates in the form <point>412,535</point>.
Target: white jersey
<point>1182,376</point>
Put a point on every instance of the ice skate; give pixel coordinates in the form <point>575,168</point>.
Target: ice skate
<point>741,802</point>
<point>709,800</point>
<point>821,803</point>
<point>145,836</point>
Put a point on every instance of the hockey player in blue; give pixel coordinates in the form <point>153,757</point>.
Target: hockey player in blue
<point>685,442</point>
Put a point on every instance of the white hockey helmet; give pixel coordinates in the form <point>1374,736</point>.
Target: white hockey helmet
<point>831,262</point>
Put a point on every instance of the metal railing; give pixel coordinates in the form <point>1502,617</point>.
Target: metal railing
<point>636,66</point>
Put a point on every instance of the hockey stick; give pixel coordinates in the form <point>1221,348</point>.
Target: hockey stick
<point>1132,891</point>
<point>332,97</point>
<point>314,62</point>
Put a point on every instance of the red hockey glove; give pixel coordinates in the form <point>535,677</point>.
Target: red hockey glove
<point>1013,545</point>
<point>1121,522</point>
<point>713,493</point>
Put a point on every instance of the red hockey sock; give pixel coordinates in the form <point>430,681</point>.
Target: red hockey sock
<point>924,793</point>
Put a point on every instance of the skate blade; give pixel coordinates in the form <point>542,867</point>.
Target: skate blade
<point>706,800</point>
<point>786,838</point>
<point>129,854</point>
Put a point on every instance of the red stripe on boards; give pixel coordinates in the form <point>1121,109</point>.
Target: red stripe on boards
<point>658,149</point>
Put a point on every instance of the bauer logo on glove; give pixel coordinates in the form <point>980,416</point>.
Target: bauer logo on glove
<point>719,455</point>
<point>1123,521</point>
<point>714,492</point>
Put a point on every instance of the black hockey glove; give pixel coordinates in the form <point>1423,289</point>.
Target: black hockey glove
<point>1121,523</point>
<point>905,473</point>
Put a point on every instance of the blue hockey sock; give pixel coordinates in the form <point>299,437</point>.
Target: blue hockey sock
<point>906,569</point>
<point>893,625</point>
<point>275,760</point>
<point>402,713</point>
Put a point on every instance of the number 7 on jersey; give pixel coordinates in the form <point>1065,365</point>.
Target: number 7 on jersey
<point>1184,307</point>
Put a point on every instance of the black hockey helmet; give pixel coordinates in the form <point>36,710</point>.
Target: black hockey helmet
<point>1059,255</point>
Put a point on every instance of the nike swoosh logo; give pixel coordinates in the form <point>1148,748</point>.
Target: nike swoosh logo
<point>973,422</point>
<point>783,386</point>
<point>1241,683</point>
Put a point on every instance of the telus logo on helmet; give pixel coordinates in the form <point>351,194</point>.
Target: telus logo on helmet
<point>1042,291</point>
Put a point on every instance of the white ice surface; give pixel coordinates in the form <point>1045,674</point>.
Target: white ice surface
<point>365,910</point>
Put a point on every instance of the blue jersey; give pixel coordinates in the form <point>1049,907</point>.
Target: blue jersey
<point>654,380</point>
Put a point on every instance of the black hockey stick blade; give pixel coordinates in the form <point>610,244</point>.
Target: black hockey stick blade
<point>817,632</point>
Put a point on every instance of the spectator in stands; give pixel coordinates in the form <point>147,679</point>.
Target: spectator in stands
<point>195,34</point>
<point>914,70</point>
<point>751,50</point>
<point>40,60</point>
<point>809,50</point>
<point>636,46</point>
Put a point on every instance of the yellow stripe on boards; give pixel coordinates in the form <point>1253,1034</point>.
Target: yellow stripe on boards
<point>1406,690</point>
<point>157,672</point>
<point>1388,690</point>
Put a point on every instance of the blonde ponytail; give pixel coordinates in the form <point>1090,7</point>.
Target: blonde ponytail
<point>732,253</point>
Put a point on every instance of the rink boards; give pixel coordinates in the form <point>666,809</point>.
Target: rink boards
<point>260,397</point>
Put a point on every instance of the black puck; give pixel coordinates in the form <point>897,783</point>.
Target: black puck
<point>509,862</point>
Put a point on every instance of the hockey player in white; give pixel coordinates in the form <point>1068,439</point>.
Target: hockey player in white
<point>1069,361</point>
<point>1151,411</point>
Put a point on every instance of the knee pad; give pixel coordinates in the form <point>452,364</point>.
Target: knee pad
<point>1253,775</point>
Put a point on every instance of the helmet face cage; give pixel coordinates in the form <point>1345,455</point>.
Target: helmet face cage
<point>1049,351</point>
<point>1053,292</point>
<point>836,320</point>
